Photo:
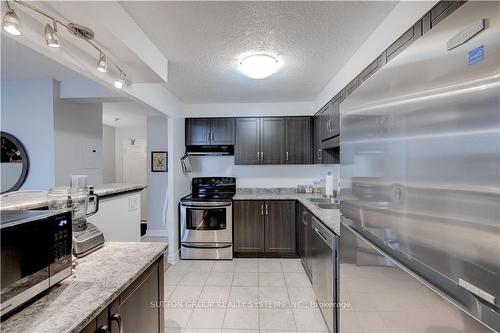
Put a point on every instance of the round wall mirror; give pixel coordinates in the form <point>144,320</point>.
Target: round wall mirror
<point>15,164</point>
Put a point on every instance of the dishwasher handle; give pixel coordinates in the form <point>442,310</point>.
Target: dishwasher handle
<point>324,234</point>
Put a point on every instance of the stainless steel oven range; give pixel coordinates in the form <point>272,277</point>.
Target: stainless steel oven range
<point>206,219</point>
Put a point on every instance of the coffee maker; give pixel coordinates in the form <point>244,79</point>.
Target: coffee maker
<point>83,202</point>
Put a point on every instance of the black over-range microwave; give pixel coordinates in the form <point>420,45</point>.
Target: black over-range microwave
<point>36,254</point>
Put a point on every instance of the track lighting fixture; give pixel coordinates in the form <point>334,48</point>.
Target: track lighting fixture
<point>10,22</point>
<point>102,64</point>
<point>121,81</point>
<point>51,35</point>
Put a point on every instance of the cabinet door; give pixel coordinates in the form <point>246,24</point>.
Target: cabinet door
<point>298,140</point>
<point>272,140</point>
<point>335,116</point>
<point>301,240</point>
<point>280,227</point>
<point>197,131</point>
<point>136,308</point>
<point>248,226</point>
<point>317,156</point>
<point>324,127</point>
<point>247,148</point>
<point>222,131</point>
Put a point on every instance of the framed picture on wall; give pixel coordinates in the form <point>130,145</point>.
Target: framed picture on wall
<point>158,161</point>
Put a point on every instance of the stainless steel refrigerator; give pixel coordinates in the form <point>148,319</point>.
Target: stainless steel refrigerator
<point>420,177</point>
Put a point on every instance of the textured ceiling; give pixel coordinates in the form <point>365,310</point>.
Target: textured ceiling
<point>204,42</point>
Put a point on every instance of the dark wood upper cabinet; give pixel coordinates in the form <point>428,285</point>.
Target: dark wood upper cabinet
<point>280,227</point>
<point>298,146</point>
<point>247,145</point>
<point>209,131</point>
<point>222,131</point>
<point>198,131</point>
<point>272,142</point>
<point>248,226</point>
<point>317,156</point>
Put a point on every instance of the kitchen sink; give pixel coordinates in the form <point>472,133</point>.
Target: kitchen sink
<point>335,205</point>
<point>323,200</point>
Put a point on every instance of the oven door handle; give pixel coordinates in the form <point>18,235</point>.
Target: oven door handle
<point>206,246</point>
<point>205,206</point>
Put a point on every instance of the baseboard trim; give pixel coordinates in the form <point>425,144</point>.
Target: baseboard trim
<point>157,233</point>
<point>172,260</point>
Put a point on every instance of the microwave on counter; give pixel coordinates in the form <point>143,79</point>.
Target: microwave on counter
<point>35,254</point>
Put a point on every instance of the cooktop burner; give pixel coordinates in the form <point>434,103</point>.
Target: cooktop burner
<point>212,189</point>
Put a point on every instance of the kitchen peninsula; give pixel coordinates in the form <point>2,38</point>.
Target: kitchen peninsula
<point>107,286</point>
<point>119,214</point>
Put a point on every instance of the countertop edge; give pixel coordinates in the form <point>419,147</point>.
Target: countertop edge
<point>77,327</point>
<point>40,201</point>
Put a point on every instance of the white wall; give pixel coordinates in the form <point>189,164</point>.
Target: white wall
<point>122,134</point>
<point>109,153</point>
<point>179,183</point>
<point>27,113</point>
<point>78,141</point>
<point>157,140</point>
<point>259,176</point>
<point>248,109</point>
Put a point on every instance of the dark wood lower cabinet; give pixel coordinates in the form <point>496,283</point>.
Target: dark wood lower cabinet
<point>264,228</point>
<point>280,227</point>
<point>138,308</point>
<point>248,224</point>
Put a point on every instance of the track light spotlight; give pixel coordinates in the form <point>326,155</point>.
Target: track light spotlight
<point>11,23</point>
<point>51,36</point>
<point>102,64</point>
<point>119,83</point>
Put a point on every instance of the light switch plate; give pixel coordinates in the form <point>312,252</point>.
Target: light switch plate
<point>132,204</point>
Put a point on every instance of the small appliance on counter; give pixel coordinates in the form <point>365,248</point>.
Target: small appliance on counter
<point>36,254</point>
<point>206,219</point>
<point>86,236</point>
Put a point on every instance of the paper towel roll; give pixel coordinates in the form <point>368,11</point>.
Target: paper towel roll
<point>329,184</point>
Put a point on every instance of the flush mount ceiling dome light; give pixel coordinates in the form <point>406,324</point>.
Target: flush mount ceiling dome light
<point>259,66</point>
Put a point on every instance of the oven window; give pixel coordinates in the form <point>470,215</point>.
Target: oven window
<point>205,219</point>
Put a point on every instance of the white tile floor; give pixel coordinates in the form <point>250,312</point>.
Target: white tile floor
<point>242,295</point>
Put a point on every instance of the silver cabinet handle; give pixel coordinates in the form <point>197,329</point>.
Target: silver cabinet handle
<point>262,209</point>
<point>258,156</point>
<point>319,155</point>
<point>116,317</point>
<point>262,156</point>
<point>103,329</point>
<point>304,213</point>
<point>266,210</point>
<point>287,156</point>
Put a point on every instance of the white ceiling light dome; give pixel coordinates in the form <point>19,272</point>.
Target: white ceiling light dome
<point>259,66</point>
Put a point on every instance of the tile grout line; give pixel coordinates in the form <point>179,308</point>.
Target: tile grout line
<point>228,297</point>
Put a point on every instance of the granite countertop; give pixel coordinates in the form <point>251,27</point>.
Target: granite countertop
<point>329,217</point>
<point>38,199</point>
<point>99,278</point>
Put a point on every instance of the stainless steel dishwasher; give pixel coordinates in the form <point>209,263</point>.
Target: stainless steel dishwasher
<point>324,272</point>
